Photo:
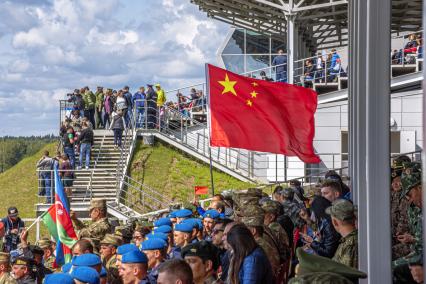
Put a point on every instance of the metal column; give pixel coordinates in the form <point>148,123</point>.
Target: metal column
<point>369,104</point>
<point>290,49</point>
<point>424,148</point>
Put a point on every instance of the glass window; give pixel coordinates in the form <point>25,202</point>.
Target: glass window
<point>278,43</point>
<point>255,62</point>
<point>257,43</point>
<point>235,44</point>
<point>234,63</point>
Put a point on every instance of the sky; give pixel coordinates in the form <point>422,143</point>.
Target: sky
<point>50,47</point>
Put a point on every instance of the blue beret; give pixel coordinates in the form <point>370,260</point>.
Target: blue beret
<point>85,274</point>
<point>134,257</point>
<point>163,229</point>
<point>184,227</point>
<point>211,214</point>
<point>66,267</point>
<point>156,235</point>
<point>191,221</point>
<point>87,259</point>
<point>172,215</point>
<point>153,244</point>
<point>103,272</point>
<point>162,222</point>
<point>126,248</point>
<point>63,278</point>
<point>183,213</point>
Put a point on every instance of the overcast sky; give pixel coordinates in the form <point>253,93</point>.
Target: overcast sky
<point>50,47</point>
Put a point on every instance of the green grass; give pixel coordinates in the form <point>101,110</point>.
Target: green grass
<point>175,174</point>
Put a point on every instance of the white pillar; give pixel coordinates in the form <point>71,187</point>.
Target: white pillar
<point>290,49</point>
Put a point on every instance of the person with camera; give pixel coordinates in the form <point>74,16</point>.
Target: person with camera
<point>13,227</point>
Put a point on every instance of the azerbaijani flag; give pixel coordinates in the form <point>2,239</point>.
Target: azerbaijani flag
<point>58,222</point>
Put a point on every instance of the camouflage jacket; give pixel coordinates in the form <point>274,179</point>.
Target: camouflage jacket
<point>281,239</point>
<point>7,279</point>
<point>399,208</point>
<point>320,277</point>
<point>347,251</point>
<point>272,253</point>
<point>112,269</point>
<point>96,230</point>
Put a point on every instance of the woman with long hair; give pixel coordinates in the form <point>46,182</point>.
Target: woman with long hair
<point>249,264</point>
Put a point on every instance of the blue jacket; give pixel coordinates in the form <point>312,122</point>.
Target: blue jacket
<point>140,97</point>
<point>329,239</point>
<point>334,58</point>
<point>256,269</point>
<point>129,101</point>
<point>279,60</point>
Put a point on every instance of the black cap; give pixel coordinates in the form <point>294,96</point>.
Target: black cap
<point>204,250</point>
<point>36,250</point>
<point>149,85</point>
<point>12,211</point>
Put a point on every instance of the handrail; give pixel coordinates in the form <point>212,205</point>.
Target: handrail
<point>89,185</point>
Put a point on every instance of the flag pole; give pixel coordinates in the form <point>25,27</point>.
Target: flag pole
<point>208,125</point>
<point>37,220</point>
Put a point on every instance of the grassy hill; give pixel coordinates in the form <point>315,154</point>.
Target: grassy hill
<point>19,185</point>
<point>175,174</point>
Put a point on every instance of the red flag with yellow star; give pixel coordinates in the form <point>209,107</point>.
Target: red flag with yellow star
<point>262,116</point>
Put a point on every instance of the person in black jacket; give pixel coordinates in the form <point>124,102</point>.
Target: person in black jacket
<point>151,100</point>
<point>328,241</point>
<point>86,140</point>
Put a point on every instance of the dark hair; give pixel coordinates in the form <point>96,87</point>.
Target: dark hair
<point>178,269</point>
<point>278,189</point>
<point>46,153</point>
<point>84,245</point>
<point>220,205</point>
<point>220,196</point>
<point>318,206</point>
<point>223,222</point>
<point>334,185</point>
<point>242,243</point>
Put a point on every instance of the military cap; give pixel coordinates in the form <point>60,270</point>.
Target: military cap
<point>309,263</point>
<point>44,243</point>
<point>124,232</point>
<point>341,209</point>
<point>163,229</point>
<point>171,215</point>
<point>23,261</point>
<point>184,227</point>
<point>66,267</point>
<point>36,249</point>
<point>87,259</point>
<point>134,257</point>
<point>97,203</point>
<point>126,248</point>
<point>271,206</point>
<point>54,278</point>
<point>111,239</point>
<point>253,221</point>
<point>213,214</point>
<point>193,222</point>
<point>103,272</point>
<point>12,211</point>
<point>157,235</point>
<point>4,257</point>
<point>86,274</point>
<point>183,213</point>
<point>320,277</point>
<point>162,221</point>
<point>154,244</point>
<point>411,177</point>
<point>287,192</point>
<point>204,250</point>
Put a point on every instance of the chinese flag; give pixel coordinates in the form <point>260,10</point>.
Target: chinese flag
<point>261,116</point>
<point>201,190</point>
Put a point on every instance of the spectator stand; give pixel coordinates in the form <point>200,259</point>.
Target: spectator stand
<point>408,57</point>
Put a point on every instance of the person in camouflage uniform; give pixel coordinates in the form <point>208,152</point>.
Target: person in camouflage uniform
<point>412,189</point>
<point>48,257</point>
<point>271,209</point>
<point>290,207</point>
<point>108,252</point>
<point>99,226</point>
<point>399,209</point>
<point>343,219</point>
<point>318,269</point>
<point>253,218</point>
<point>5,277</point>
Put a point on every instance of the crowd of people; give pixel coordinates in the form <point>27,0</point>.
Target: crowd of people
<point>413,49</point>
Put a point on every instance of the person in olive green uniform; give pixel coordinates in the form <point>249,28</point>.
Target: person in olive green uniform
<point>109,256</point>
<point>99,106</point>
<point>412,190</point>
<point>89,105</point>
<point>5,277</point>
<point>317,269</point>
<point>99,226</point>
<point>48,257</point>
<point>342,214</point>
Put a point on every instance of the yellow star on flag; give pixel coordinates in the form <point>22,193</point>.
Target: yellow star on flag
<point>255,84</point>
<point>228,85</point>
<point>253,94</point>
<point>249,103</point>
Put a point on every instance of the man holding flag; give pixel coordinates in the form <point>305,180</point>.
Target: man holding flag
<point>99,226</point>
